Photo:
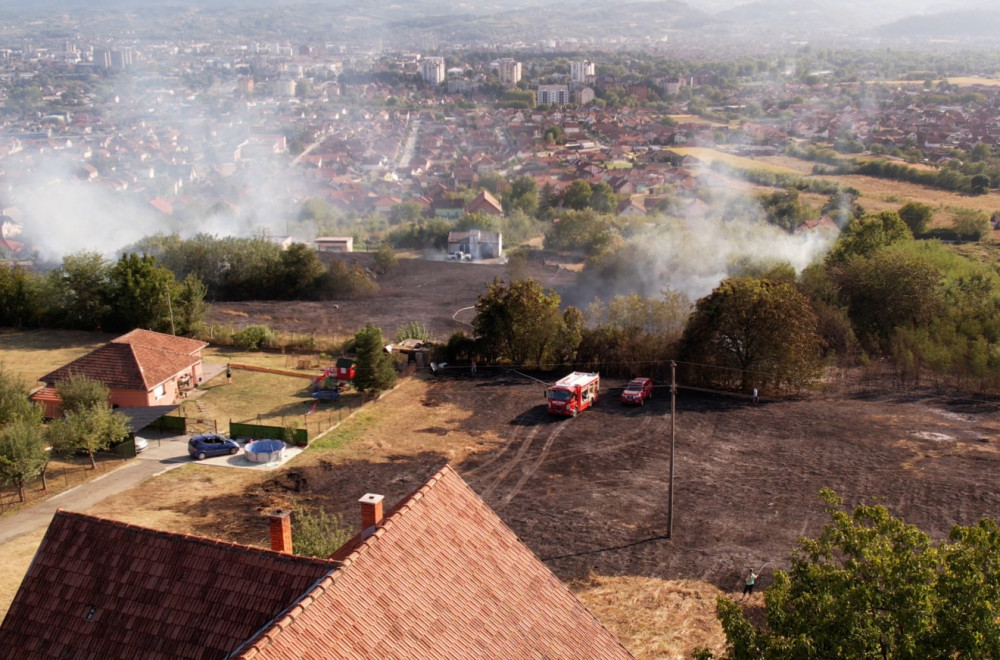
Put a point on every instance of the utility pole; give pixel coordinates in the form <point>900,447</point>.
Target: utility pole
<point>673,425</point>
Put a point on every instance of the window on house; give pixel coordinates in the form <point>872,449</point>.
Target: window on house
<point>160,391</point>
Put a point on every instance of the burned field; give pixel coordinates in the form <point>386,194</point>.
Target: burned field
<point>425,291</point>
<point>590,493</point>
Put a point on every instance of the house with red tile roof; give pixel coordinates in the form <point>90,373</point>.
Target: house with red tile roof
<point>484,203</point>
<point>141,369</point>
<point>439,576</point>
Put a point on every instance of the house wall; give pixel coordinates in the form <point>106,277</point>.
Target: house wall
<point>136,399</point>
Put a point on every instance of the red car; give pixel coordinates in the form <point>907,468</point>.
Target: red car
<point>637,391</point>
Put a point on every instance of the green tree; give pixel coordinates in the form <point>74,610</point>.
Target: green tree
<point>22,453</point>
<point>762,331</point>
<point>318,534</point>
<point>980,153</point>
<point>385,259</point>
<point>300,274</point>
<point>494,182</point>
<point>19,299</point>
<point>83,283</point>
<point>405,212</point>
<point>14,402</point>
<point>78,393</point>
<point>889,289</point>
<point>375,371</point>
<point>866,234</point>
<point>189,305</point>
<point>519,322</point>
<point>91,429</point>
<point>971,224</point>
<point>873,586</point>
<point>577,195</point>
<point>979,184</point>
<point>602,198</point>
<point>139,293</point>
<point>523,196</point>
<point>917,216</point>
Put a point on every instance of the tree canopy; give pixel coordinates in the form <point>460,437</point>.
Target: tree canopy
<point>873,586</point>
<point>519,322</point>
<point>375,371</point>
<point>760,333</point>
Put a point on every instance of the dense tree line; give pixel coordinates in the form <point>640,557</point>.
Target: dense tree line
<point>234,268</point>
<point>87,292</point>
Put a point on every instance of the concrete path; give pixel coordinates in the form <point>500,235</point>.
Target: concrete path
<point>162,455</point>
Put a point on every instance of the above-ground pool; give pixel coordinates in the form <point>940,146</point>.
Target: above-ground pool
<point>264,451</point>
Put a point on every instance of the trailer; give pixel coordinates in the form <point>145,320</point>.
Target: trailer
<point>573,393</point>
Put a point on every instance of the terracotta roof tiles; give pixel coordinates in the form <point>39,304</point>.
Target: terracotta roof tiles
<point>125,366</point>
<point>99,588</point>
<point>442,577</point>
<point>150,339</point>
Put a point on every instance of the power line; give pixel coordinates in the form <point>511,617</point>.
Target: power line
<point>613,548</point>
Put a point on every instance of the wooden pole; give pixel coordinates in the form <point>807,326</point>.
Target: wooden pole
<point>673,425</point>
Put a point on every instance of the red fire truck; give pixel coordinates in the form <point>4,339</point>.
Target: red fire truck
<point>577,391</point>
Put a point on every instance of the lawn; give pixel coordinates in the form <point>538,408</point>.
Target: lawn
<point>265,398</point>
<point>30,354</point>
<point>711,155</point>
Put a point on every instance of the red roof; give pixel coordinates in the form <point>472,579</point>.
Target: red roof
<point>150,339</point>
<point>139,360</point>
<point>104,589</point>
<point>441,578</point>
<point>125,367</point>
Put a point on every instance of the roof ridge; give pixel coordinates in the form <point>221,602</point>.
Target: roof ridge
<point>266,637</point>
<point>199,539</point>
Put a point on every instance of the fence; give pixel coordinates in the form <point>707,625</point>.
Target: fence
<point>59,477</point>
<point>268,370</point>
<point>300,437</point>
<point>170,424</point>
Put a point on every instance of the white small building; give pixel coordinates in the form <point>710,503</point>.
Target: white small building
<point>477,243</point>
<point>339,244</point>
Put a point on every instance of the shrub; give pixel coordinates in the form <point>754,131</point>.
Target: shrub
<point>253,337</point>
<point>412,330</point>
<point>318,534</point>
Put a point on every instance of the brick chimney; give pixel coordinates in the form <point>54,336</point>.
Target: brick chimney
<point>281,531</point>
<point>371,513</point>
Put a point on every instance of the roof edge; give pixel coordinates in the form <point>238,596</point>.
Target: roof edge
<point>198,539</point>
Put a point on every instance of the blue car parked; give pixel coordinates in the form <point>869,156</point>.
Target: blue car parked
<point>203,445</point>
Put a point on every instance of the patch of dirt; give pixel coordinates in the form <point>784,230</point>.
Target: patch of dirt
<point>421,290</point>
<point>590,494</point>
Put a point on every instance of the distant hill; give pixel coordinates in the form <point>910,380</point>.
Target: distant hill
<point>977,24</point>
<point>717,28</point>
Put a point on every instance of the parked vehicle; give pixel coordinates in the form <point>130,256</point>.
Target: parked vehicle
<point>637,391</point>
<point>574,393</point>
<point>203,445</point>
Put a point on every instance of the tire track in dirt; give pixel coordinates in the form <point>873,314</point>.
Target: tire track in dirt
<point>531,471</point>
<point>502,451</point>
<point>545,454</point>
<point>518,457</point>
